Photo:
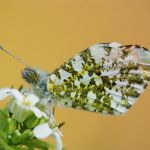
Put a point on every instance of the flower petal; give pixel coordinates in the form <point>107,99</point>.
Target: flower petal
<point>8,91</point>
<point>33,99</point>
<point>59,144</point>
<point>42,131</point>
<point>44,115</point>
<point>38,112</point>
<point>4,93</point>
<point>18,95</point>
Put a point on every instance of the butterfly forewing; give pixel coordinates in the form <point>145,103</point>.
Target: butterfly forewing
<point>106,78</point>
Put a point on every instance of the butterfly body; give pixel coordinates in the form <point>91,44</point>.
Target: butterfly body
<point>106,78</point>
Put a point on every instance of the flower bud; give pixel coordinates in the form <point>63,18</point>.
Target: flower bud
<point>31,121</point>
<point>20,113</point>
<point>27,134</point>
<point>16,137</point>
<point>42,120</point>
<point>11,125</point>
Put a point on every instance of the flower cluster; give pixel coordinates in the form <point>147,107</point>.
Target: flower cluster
<point>25,122</point>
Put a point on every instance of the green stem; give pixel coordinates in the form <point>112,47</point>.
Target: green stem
<point>4,146</point>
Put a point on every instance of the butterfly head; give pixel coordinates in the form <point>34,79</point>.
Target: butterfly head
<point>34,76</point>
<point>38,79</point>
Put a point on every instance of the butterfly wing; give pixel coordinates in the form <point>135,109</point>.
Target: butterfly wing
<point>106,78</point>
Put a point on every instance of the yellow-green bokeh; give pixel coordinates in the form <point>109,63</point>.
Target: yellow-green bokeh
<point>47,32</point>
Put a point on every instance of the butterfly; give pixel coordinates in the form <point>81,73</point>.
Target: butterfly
<point>105,78</point>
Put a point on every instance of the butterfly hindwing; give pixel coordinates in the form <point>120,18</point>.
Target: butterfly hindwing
<point>106,78</point>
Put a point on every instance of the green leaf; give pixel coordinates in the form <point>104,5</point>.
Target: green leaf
<point>19,148</point>
<point>3,114</point>
<point>39,144</point>
<point>3,136</point>
<point>3,125</point>
<point>4,145</point>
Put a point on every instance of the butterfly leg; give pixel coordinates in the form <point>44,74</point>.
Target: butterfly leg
<point>51,112</point>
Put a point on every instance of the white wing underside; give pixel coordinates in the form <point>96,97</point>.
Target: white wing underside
<point>106,78</point>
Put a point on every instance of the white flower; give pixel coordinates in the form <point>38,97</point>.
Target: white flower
<point>43,131</point>
<point>24,102</point>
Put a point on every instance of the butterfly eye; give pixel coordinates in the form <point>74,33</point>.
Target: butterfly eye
<point>30,75</point>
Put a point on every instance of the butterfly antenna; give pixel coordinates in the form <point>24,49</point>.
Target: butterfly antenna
<point>13,56</point>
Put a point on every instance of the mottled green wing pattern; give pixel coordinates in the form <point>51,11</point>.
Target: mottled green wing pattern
<point>106,78</point>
